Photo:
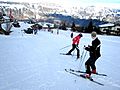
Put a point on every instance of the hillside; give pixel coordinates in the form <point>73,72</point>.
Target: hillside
<point>33,62</point>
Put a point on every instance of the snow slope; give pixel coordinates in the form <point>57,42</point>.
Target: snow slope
<point>33,62</point>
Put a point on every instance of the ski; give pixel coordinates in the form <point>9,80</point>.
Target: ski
<point>66,54</point>
<point>83,76</point>
<point>101,74</point>
<point>62,53</point>
<point>90,79</point>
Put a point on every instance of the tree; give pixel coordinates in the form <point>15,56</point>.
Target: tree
<point>73,27</point>
<point>90,27</point>
<point>63,26</point>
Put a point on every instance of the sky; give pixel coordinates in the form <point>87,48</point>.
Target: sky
<point>68,3</point>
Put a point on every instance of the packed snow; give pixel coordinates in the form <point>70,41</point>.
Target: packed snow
<point>33,62</point>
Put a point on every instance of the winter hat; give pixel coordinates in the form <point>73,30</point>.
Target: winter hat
<point>93,34</point>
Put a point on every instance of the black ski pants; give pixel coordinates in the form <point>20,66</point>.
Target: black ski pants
<point>90,64</point>
<point>74,46</point>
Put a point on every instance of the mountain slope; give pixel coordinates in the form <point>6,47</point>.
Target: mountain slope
<point>42,9</point>
<point>33,62</point>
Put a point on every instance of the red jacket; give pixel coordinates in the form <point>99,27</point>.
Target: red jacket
<point>76,40</point>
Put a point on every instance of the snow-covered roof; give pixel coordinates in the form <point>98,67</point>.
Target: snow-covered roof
<point>45,24</point>
<point>107,25</point>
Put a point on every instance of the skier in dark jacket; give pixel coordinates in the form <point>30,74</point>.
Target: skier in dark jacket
<point>75,45</point>
<point>94,54</point>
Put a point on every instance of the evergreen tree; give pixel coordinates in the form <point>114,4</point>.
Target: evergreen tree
<point>73,27</point>
<point>63,26</point>
<point>90,27</point>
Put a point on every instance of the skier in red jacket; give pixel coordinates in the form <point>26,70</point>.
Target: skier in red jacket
<point>75,45</point>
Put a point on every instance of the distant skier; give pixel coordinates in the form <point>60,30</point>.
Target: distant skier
<point>94,54</point>
<point>75,44</point>
<point>71,35</point>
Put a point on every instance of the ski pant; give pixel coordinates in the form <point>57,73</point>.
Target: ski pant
<point>90,64</point>
<point>75,47</point>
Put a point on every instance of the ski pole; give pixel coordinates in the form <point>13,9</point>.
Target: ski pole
<point>82,60</point>
<point>65,47</point>
<point>81,57</point>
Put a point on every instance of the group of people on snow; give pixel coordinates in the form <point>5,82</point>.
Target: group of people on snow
<point>94,51</point>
